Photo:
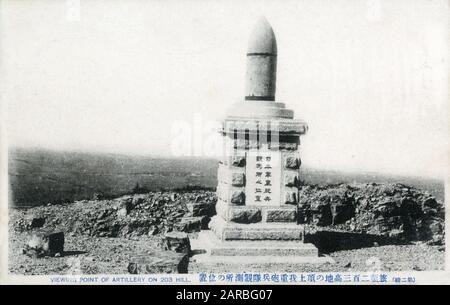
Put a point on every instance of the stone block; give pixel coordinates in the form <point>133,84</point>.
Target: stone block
<point>176,241</point>
<point>291,178</point>
<point>237,197</point>
<point>36,222</point>
<point>281,215</point>
<point>238,161</point>
<point>255,231</point>
<point>244,215</point>
<point>249,248</point>
<point>303,214</point>
<point>192,224</point>
<point>137,200</point>
<point>291,195</point>
<point>44,243</point>
<point>159,262</point>
<point>200,209</point>
<point>124,207</point>
<point>341,212</point>
<point>237,179</point>
<point>231,176</point>
<point>321,213</point>
<point>292,162</point>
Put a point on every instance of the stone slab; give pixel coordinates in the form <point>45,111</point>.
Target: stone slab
<point>207,247</point>
<point>217,247</point>
<point>192,224</point>
<point>249,263</point>
<point>257,231</point>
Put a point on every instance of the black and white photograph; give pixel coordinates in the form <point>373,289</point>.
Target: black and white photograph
<point>224,142</point>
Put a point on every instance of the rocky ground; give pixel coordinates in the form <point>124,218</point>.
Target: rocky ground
<point>106,255</point>
<point>391,225</point>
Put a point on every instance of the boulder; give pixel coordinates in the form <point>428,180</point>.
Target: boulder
<point>176,241</point>
<point>36,222</point>
<point>192,224</point>
<point>303,213</point>
<point>124,207</point>
<point>137,200</point>
<point>388,207</point>
<point>201,209</point>
<point>44,243</point>
<point>340,213</point>
<point>430,203</point>
<point>321,213</point>
<point>159,262</point>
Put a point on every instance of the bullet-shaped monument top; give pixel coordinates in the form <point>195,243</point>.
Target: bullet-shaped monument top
<point>261,63</point>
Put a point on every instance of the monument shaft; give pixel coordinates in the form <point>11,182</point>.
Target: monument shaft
<point>261,63</point>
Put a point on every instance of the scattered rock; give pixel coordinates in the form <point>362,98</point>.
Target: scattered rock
<point>158,262</point>
<point>201,209</point>
<point>37,222</point>
<point>124,207</point>
<point>390,210</point>
<point>176,241</point>
<point>153,231</point>
<point>192,224</point>
<point>44,243</point>
<point>321,213</point>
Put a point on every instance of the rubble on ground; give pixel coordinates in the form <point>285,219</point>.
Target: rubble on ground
<point>390,210</point>
<point>127,216</point>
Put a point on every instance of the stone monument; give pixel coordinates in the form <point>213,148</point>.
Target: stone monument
<point>258,176</point>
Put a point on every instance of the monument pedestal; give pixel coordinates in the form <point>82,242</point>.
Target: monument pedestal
<point>249,255</point>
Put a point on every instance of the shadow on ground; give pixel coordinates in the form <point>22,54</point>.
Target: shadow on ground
<point>70,253</point>
<point>331,241</point>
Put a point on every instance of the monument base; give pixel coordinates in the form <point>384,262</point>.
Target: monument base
<point>258,245</point>
<point>247,255</point>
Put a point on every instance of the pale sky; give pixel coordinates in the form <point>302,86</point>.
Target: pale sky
<point>369,77</point>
